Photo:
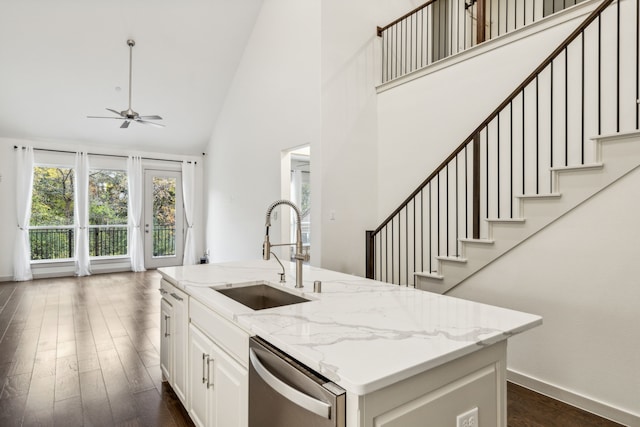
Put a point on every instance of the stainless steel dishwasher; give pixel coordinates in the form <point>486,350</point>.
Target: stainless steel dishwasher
<point>285,393</point>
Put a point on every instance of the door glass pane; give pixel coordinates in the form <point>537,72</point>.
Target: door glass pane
<point>164,216</point>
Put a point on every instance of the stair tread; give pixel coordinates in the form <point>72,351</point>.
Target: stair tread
<point>539,196</point>
<point>505,219</point>
<point>429,275</point>
<point>483,241</point>
<point>616,136</point>
<point>588,166</point>
<point>451,258</point>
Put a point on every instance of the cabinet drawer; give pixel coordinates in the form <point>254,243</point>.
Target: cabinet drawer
<point>230,337</point>
<point>171,293</point>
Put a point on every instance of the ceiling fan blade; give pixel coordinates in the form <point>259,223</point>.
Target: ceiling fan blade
<point>150,117</point>
<point>103,117</point>
<point>114,112</point>
<point>125,124</point>
<point>144,122</point>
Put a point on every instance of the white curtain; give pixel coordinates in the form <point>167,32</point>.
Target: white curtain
<point>24,184</point>
<point>136,238</point>
<point>188,194</point>
<point>81,207</point>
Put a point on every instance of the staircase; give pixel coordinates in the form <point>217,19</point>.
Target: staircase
<point>527,164</point>
<point>616,156</point>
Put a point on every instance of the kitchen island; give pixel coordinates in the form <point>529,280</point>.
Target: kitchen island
<point>401,354</point>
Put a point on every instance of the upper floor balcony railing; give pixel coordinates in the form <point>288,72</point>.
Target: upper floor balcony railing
<point>441,28</point>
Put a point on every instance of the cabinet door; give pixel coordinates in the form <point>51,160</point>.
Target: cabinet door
<point>180,333</point>
<point>166,344</point>
<point>200,381</point>
<point>231,390</point>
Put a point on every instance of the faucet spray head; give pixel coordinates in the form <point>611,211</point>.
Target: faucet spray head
<point>266,247</point>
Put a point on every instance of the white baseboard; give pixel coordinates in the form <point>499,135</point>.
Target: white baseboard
<point>573,399</point>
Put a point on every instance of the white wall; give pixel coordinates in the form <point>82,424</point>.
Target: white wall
<point>349,173</point>
<point>8,197</point>
<point>300,56</point>
<point>581,275</point>
<point>273,104</point>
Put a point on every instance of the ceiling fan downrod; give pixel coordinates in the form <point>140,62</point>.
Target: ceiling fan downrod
<point>129,112</point>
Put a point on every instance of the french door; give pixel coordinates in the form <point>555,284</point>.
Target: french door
<point>163,219</point>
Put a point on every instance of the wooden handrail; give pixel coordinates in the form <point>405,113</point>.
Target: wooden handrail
<point>406,15</point>
<point>545,63</point>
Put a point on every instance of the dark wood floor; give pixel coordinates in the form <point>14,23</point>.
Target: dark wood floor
<point>85,352</point>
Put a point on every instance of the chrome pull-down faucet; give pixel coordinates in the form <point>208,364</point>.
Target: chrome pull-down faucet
<point>299,255</point>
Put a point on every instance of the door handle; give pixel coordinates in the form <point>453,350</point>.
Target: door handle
<point>209,383</point>
<point>204,367</point>
<point>173,294</point>
<point>309,403</point>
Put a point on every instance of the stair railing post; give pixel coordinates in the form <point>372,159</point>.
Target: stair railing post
<point>476,187</point>
<point>370,254</point>
<point>481,20</point>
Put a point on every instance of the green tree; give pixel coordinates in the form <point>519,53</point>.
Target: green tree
<point>164,201</point>
<point>164,216</point>
<point>108,197</point>
<point>52,199</point>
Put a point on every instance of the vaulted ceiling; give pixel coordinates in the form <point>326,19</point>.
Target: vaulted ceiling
<point>63,60</point>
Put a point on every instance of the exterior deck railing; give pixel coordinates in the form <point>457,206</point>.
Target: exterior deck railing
<point>164,240</point>
<point>57,242</point>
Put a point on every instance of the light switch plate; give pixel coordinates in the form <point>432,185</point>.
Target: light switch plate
<point>468,419</point>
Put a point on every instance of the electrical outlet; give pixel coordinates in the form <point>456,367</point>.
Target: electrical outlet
<point>468,419</point>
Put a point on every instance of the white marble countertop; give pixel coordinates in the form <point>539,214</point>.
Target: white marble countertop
<point>359,333</point>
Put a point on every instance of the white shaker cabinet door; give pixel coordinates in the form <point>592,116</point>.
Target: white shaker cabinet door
<point>200,381</point>
<point>232,391</point>
<point>180,332</point>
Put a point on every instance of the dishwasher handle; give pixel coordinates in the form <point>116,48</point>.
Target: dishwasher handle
<point>309,403</point>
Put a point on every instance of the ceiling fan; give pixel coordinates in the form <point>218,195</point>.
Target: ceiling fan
<point>129,115</point>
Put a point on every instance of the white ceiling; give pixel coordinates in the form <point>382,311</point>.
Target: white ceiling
<point>63,60</point>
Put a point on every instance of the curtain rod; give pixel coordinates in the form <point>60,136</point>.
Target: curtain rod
<point>15,147</point>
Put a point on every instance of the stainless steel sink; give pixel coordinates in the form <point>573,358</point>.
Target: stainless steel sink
<point>260,296</point>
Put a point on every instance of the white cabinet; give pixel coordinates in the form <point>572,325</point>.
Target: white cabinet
<point>477,380</point>
<point>218,385</point>
<point>174,318</point>
<point>201,397</point>
<point>231,389</point>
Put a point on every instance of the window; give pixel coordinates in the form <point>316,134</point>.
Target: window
<point>108,201</point>
<point>52,213</point>
<point>51,231</point>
